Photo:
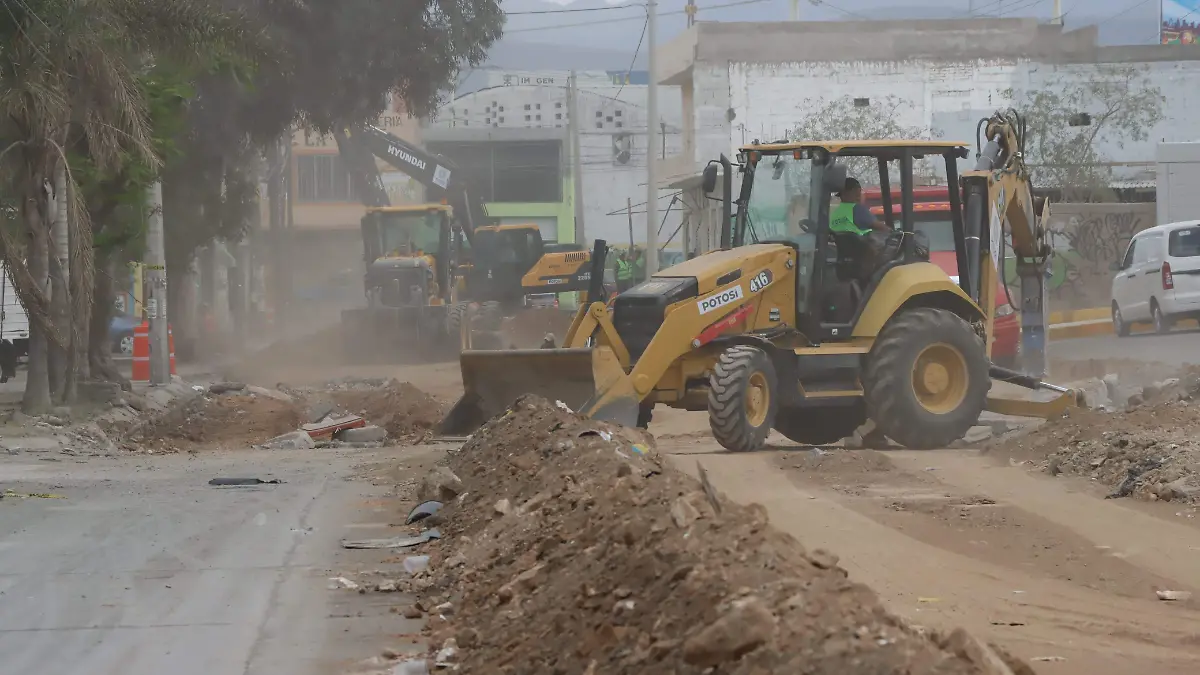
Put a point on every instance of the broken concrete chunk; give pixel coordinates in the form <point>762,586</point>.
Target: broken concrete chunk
<point>225,387</point>
<point>746,626</point>
<point>502,507</point>
<point>440,485</point>
<point>293,440</point>
<point>366,434</point>
<point>1173,596</point>
<point>270,393</point>
<point>683,513</point>
<point>319,410</point>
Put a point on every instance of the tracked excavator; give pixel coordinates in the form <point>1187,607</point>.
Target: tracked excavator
<point>787,328</point>
<point>472,274</point>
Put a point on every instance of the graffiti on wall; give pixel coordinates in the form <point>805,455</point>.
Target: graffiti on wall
<point>1087,239</point>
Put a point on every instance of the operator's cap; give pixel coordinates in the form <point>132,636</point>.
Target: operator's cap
<point>851,184</point>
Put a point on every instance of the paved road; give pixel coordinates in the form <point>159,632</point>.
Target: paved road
<point>144,569</point>
<point>1177,348</point>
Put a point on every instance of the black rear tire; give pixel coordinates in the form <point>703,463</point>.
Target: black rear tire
<point>1162,322</point>
<point>926,378</point>
<point>820,426</point>
<point>742,398</point>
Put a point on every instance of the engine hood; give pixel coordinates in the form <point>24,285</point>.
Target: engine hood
<point>717,268</point>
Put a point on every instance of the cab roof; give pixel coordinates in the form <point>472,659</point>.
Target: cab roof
<point>858,146</point>
<point>409,208</point>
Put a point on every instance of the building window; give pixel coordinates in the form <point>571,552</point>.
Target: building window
<point>508,171</point>
<point>322,178</point>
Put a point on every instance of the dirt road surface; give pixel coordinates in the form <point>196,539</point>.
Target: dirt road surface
<point>1044,567</point>
<point>143,568</point>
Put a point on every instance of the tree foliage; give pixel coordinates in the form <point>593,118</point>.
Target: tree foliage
<point>847,119</point>
<point>68,84</point>
<point>1124,106</point>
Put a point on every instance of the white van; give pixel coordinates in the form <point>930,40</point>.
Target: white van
<point>14,322</point>
<point>1158,280</point>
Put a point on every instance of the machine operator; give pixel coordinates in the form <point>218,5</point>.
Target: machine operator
<point>852,217</point>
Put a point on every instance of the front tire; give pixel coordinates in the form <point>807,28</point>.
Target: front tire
<point>926,378</point>
<point>742,398</point>
<point>1120,326</point>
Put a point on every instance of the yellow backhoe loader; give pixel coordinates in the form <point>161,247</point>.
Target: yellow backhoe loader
<point>799,329</point>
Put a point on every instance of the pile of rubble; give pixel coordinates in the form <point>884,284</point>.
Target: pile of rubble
<point>572,548</point>
<point>355,413</point>
<point>1139,442</point>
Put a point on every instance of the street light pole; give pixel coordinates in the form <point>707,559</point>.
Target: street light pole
<point>156,300</point>
<point>652,140</point>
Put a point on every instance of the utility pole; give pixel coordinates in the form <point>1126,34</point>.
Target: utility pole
<point>652,141</point>
<point>1058,15</point>
<point>576,157</point>
<point>156,300</point>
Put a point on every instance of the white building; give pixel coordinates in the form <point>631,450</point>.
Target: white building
<point>742,82</point>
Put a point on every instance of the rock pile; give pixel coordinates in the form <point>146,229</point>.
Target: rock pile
<point>1148,448</point>
<point>574,549</point>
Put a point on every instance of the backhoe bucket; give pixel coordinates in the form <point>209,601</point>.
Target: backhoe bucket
<point>1048,408</point>
<point>588,380</point>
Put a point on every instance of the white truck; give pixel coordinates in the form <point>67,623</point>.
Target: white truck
<point>14,322</point>
<point>1178,180</point>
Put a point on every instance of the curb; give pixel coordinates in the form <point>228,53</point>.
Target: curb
<point>1080,323</point>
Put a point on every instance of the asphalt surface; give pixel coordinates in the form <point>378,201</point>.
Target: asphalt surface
<point>145,569</point>
<point>1177,348</point>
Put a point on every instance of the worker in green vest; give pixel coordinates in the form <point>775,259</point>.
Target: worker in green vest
<point>624,273</point>
<point>854,217</point>
<point>639,265</point>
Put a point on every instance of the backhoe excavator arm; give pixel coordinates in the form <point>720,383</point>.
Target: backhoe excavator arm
<point>439,175</point>
<point>999,201</point>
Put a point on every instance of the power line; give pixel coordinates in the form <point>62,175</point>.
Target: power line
<point>847,12</point>
<point>633,61</point>
<point>631,18</point>
<point>567,10</point>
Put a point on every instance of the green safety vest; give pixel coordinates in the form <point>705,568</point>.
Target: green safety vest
<point>624,271</point>
<point>842,220</point>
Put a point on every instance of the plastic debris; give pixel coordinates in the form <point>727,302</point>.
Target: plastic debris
<point>243,481</point>
<point>394,542</point>
<point>414,564</point>
<point>422,511</point>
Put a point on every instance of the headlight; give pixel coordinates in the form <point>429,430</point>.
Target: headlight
<point>1004,310</point>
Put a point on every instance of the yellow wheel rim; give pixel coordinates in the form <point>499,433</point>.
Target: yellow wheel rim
<point>940,378</point>
<point>758,399</point>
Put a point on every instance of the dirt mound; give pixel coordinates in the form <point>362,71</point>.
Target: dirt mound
<point>1151,450</point>
<point>407,413</point>
<point>227,421</point>
<point>573,553</point>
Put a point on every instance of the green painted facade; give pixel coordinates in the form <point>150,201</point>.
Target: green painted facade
<point>562,212</point>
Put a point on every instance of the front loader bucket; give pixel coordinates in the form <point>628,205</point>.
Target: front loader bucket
<point>589,381</point>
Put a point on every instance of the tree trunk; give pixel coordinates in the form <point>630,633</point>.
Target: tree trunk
<point>36,399</point>
<point>100,359</point>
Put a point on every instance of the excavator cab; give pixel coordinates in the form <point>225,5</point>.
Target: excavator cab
<point>408,284</point>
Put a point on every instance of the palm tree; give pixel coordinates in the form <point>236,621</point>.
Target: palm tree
<point>68,81</point>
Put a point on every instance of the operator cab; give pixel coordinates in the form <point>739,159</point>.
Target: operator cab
<point>789,191</point>
<point>407,251</point>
